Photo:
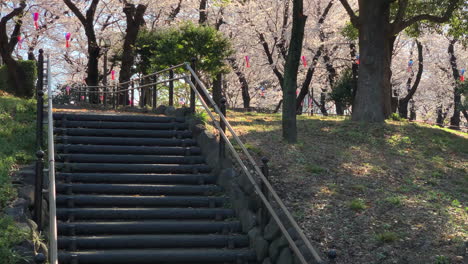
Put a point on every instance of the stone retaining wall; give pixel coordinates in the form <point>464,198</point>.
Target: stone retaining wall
<point>265,236</point>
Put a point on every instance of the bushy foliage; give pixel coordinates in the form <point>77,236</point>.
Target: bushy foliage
<point>161,48</point>
<point>342,91</point>
<point>29,71</point>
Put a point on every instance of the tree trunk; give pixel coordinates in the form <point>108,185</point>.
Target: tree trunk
<point>355,70</point>
<point>135,19</point>
<point>440,116</point>
<point>403,105</point>
<point>455,119</point>
<point>323,101</point>
<point>217,88</point>
<point>7,45</point>
<point>243,82</point>
<point>305,85</point>
<point>373,97</point>
<point>412,110</point>
<point>290,73</point>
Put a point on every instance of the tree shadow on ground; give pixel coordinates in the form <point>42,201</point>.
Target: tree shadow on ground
<point>390,193</point>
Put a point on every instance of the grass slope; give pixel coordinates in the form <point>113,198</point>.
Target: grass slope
<point>17,145</point>
<point>391,193</point>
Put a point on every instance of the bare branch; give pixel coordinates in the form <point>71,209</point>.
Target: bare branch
<point>352,15</point>
<point>75,11</point>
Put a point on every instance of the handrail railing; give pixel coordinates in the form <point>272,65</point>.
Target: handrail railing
<point>264,180</point>
<point>53,258</point>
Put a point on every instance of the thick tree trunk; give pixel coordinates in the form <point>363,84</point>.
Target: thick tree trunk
<point>7,45</point>
<point>92,78</point>
<point>373,97</point>
<point>457,104</point>
<point>134,17</point>
<point>87,21</point>
<point>290,73</point>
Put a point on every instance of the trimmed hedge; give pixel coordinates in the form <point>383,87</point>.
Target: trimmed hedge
<point>29,70</point>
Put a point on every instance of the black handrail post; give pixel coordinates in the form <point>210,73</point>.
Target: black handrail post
<point>132,94</point>
<point>142,94</point>
<point>171,87</point>
<point>192,92</point>
<point>155,91</point>
<point>113,97</point>
<point>266,172</point>
<point>222,143</point>
<point>38,188</point>
<point>40,101</point>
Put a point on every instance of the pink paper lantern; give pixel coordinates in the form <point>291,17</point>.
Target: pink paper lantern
<point>36,19</point>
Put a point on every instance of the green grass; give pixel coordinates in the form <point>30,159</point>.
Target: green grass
<point>17,146</point>
<point>387,237</point>
<point>10,235</point>
<point>397,172</point>
<point>357,204</point>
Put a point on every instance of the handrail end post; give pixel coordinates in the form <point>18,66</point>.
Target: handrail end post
<point>38,188</point>
<point>222,143</point>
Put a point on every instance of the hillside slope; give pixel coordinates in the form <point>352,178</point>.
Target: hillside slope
<point>393,193</point>
<point>17,145</point>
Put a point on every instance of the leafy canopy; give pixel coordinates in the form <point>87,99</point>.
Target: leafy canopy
<point>161,48</point>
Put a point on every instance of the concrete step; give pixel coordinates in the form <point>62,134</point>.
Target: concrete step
<point>132,168</point>
<point>136,178</point>
<point>122,133</point>
<point>149,227</point>
<point>152,241</point>
<point>159,256</point>
<point>139,201</point>
<point>118,117</point>
<point>142,150</point>
<point>123,159</point>
<point>123,214</point>
<point>137,189</point>
<point>123,141</point>
<point>121,125</point>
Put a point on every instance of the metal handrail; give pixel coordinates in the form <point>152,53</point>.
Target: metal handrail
<point>154,73</point>
<point>53,257</point>
<point>257,169</point>
<point>133,88</point>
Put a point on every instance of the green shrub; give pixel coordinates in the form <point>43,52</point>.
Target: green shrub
<point>314,169</point>
<point>396,117</point>
<point>28,70</point>
<point>10,235</point>
<point>387,237</point>
<point>357,204</point>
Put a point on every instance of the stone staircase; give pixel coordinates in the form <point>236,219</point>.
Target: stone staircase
<point>136,189</point>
